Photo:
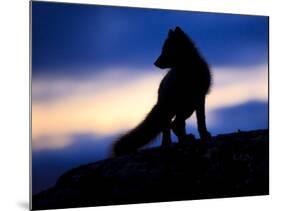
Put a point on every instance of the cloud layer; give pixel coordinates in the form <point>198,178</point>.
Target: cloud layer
<point>116,101</point>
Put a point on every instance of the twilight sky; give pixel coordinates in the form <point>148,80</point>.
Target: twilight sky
<point>93,76</point>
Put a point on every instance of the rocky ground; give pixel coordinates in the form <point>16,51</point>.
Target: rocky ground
<point>229,165</point>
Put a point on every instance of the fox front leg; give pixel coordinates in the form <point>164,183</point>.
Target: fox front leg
<point>201,120</point>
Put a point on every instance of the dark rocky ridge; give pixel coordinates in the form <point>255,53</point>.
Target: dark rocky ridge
<point>229,165</point>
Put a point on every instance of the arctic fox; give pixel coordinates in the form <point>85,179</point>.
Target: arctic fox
<point>181,92</point>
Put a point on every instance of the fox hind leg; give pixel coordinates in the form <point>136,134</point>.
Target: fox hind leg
<point>166,129</point>
<point>166,136</point>
<point>201,120</point>
<point>178,126</point>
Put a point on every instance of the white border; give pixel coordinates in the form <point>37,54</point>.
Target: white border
<point>14,92</point>
<point>234,7</point>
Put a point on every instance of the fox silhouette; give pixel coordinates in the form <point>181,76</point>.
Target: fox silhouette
<point>181,92</point>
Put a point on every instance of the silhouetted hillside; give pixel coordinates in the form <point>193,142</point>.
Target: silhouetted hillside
<point>230,165</point>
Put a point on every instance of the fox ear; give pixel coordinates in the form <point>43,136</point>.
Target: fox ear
<point>171,32</point>
<point>178,30</point>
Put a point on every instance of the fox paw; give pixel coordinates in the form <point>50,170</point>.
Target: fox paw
<point>166,142</point>
<point>190,137</point>
<point>206,136</point>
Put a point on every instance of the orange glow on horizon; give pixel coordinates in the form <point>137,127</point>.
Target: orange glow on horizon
<point>112,102</point>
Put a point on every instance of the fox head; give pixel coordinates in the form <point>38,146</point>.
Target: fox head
<point>177,49</point>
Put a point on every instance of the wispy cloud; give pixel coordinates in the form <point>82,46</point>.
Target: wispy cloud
<point>235,86</point>
<point>116,100</point>
<point>102,105</point>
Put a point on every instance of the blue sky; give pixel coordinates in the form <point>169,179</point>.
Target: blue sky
<point>93,65</point>
<point>67,36</point>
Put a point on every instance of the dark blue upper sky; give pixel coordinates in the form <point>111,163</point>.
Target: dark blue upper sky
<point>71,37</point>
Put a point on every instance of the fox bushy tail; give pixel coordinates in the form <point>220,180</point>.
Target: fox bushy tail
<point>146,131</point>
